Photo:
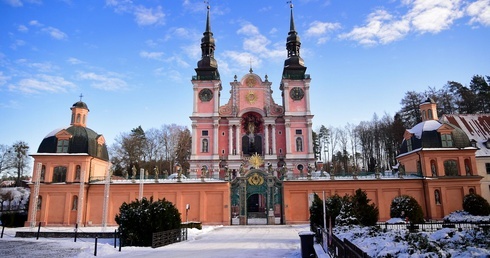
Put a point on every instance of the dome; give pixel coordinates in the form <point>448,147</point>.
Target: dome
<point>426,135</point>
<point>83,140</point>
<point>80,104</point>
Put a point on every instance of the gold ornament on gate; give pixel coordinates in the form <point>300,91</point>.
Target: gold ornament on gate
<point>256,161</point>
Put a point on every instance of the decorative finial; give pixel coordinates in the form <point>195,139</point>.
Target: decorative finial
<point>266,78</point>
<point>290,4</point>
<point>81,96</point>
<point>235,77</point>
<point>207,4</point>
<point>251,70</point>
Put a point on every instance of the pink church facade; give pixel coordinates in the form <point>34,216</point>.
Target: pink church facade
<point>226,135</point>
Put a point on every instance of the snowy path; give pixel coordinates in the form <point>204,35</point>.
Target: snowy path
<point>233,241</point>
<point>227,241</point>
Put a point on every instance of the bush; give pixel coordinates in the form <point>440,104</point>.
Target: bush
<point>476,205</point>
<point>406,206</point>
<point>347,210</point>
<point>13,219</point>
<point>366,214</point>
<point>138,220</point>
<point>316,212</point>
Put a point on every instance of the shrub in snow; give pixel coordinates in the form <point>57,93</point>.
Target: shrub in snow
<point>334,204</point>
<point>316,212</point>
<point>366,214</point>
<point>476,205</point>
<point>464,216</point>
<point>405,206</point>
<point>138,220</point>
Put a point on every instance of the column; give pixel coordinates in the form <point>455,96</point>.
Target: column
<point>195,141</point>
<point>215,140</point>
<point>266,139</point>
<point>230,139</point>
<point>307,97</point>
<point>237,138</point>
<point>310,137</point>
<point>273,138</point>
<point>288,137</point>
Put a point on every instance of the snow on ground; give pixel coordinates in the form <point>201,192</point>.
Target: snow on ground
<point>211,241</point>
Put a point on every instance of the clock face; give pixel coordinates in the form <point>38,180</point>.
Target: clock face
<point>296,93</point>
<point>205,95</point>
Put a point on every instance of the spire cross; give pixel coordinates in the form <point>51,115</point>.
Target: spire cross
<point>250,65</point>
<point>81,96</point>
<point>290,3</point>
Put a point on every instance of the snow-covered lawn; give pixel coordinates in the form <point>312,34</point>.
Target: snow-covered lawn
<point>446,242</point>
<point>211,241</point>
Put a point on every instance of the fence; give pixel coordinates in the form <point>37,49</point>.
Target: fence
<point>337,247</point>
<point>434,226</point>
<point>168,237</point>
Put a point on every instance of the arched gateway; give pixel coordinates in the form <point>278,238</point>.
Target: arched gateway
<point>256,198</point>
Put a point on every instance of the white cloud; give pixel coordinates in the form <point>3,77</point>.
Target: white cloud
<point>43,67</point>
<point>35,23</point>
<point>422,17</point>
<point>42,83</point>
<point>151,55</point>
<point>380,28</point>
<point>434,16</point>
<point>318,28</point>
<point>74,61</point>
<point>54,33</point>
<point>14,3</point>
<point>148,16</point>
<point>17,43</point>
<point>479,11</point>
<point>143,16</point>
<point>321,30</point>
<point>3,78</point>
<point>104,82</point>
<point>22,28</point>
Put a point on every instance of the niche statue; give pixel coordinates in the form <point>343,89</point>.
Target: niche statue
<point>251,142</point>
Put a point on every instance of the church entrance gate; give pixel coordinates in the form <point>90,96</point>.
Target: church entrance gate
<point>256,198</point>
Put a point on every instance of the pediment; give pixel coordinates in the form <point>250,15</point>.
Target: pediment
<point>63,135</point>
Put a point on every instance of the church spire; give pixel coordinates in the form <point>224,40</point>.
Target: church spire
<point>294,67</point>
<point>207,67</point>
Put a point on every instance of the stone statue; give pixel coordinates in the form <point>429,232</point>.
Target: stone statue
<point>134,171</point>
<point>125,174</point>
<point>156,172</point>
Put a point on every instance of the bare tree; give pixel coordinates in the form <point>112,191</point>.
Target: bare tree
<point>6,159</point>
<point>21,158</point>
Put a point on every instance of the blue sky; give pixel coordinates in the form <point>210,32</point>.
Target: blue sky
<point>133,60</point>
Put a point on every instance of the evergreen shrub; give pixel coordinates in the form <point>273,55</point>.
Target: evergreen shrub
<point>405,206</point>
<point>476,205</point>
<point>138,220</point>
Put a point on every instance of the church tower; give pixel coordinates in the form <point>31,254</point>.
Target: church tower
<point>206,87</point>
<point>295,87</point>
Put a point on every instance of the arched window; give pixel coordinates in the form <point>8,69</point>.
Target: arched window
<point>205,147</point>
<point>59,174</point>
<point>423,115</point>
<point>429,112</point>
<point>299,144</point>
<point>451,168</point>
<point>78,171</point>
<point>72,118</point>
<point>78,118</point>
<point>437,196</point>
<point>472,190</point>
<point>74,205</point>
<point>83,119</point>
<point>39,202</point>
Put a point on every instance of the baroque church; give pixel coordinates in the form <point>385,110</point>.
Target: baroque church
<point>262,149</point>
<point>226,135</point>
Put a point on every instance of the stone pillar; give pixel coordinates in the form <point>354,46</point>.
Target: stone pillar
<point>230,139</point>
<point>273,139</point>
<point>238,138</point>
<point>266,127</point>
